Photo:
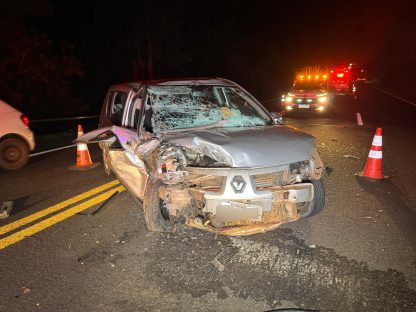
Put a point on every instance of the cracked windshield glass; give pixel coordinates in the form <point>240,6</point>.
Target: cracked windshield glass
<point>183,107</point>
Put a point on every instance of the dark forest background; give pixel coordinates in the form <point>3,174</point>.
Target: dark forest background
<point>57,58</point>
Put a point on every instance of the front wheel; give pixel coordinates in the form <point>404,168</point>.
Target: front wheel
<point>14,153</point>
<point>156,213</point>
<point>318,202</point>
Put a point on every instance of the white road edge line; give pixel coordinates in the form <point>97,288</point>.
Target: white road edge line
<point>395,96</point>
<point>52,150</point>
<point>360,120</point>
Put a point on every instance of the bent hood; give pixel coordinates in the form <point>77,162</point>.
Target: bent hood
<point>247,147</point>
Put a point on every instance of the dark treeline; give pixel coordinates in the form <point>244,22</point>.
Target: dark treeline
<point>57,58</point>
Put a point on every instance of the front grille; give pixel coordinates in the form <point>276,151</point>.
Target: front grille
<point>268,180</point>
<point>207,182</point>
<point>304,100</point>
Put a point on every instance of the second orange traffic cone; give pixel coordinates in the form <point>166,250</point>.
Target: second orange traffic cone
<point>83,155</point>
<point>373,169</point>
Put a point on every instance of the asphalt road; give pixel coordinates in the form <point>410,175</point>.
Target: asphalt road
<point>359,254</point>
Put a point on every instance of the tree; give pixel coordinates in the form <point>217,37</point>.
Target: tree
<point>36,74</point>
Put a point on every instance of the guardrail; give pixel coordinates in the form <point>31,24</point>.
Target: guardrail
<point>64,119</point>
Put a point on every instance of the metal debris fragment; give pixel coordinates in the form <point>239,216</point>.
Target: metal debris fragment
<point>224,257</point>
<point>93,213</point>
<point>350,156</point>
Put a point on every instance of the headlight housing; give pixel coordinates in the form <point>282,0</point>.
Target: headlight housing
<point>322,99</point>
<point>289,99</point>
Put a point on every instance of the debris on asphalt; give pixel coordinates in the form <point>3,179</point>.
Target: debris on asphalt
<point>350,156</point>
<point>224,257</point>
<point>100,207</point>
<point>5,209</point>
<point>368,217</point>
<point>25,290</point>
<point>312,246</point>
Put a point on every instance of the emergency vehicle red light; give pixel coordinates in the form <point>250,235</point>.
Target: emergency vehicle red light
<point>340,75</point>
<point>25,120</point>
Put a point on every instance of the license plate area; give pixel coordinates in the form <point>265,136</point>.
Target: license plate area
<point>303,105</point>
<point>229,211</point>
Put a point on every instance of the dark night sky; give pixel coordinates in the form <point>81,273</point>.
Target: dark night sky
<point>258,44</point>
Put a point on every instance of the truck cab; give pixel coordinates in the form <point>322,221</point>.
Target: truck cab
<point>309,93</point>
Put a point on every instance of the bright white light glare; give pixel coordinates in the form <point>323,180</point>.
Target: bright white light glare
<point>289,99</point>
<point>309,100</point>
<point>299,100</point>
<point>323,99</point>
<point>321,108</point>
<point>289,107</point>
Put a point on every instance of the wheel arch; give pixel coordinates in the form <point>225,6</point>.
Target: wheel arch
<point>15,136</point>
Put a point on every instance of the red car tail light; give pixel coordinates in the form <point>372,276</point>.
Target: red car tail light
<point>25,120</point>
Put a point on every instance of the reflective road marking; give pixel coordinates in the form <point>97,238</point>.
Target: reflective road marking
<point>33,229</point>
<point>40,214</point>
<point>359,120</point>
<point>395,96</point>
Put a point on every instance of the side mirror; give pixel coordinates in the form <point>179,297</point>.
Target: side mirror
<point>277,118</point>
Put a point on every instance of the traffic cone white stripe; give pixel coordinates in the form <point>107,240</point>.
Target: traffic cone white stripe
<point>375,154</point>
<point>82,147</point>
<point>378,140</point>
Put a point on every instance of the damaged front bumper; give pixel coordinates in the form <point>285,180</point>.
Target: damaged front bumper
<point>244,201</point>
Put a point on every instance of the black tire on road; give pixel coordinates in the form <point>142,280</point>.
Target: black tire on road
<point>14,153</point>
<point>153,207</point>
<point>318,202</point>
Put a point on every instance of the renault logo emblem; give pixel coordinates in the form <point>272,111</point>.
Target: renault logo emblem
<point>238,184</point>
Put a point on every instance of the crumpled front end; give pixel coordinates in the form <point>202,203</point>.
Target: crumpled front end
<point>234,201</point>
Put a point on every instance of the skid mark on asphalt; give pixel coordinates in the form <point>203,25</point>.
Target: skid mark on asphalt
<point>278,266</point>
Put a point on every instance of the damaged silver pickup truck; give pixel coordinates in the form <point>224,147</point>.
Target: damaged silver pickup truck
<point>206,153</point>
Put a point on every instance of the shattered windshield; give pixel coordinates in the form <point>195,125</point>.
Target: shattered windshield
<point>183,107</point>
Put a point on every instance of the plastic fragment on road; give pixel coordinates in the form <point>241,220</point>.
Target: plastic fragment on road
<point>222,259</point>
<point>5,209</point>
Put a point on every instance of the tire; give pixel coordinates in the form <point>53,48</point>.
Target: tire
<point>156,214</point>
<point>14,153</point>
<point>318,202</point>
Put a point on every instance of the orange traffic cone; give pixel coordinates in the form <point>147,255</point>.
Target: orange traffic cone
<point>373,170</point>
<point>83,155</point>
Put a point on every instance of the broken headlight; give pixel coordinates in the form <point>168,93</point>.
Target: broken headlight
<point>300,171</point>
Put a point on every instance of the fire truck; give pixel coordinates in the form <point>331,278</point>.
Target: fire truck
<point>309,91</point>
<point>342,79</point>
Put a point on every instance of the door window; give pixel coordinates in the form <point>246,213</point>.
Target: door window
<point>116,109</point>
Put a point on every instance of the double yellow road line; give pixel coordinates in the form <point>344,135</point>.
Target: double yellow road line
<point>56,218</point>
